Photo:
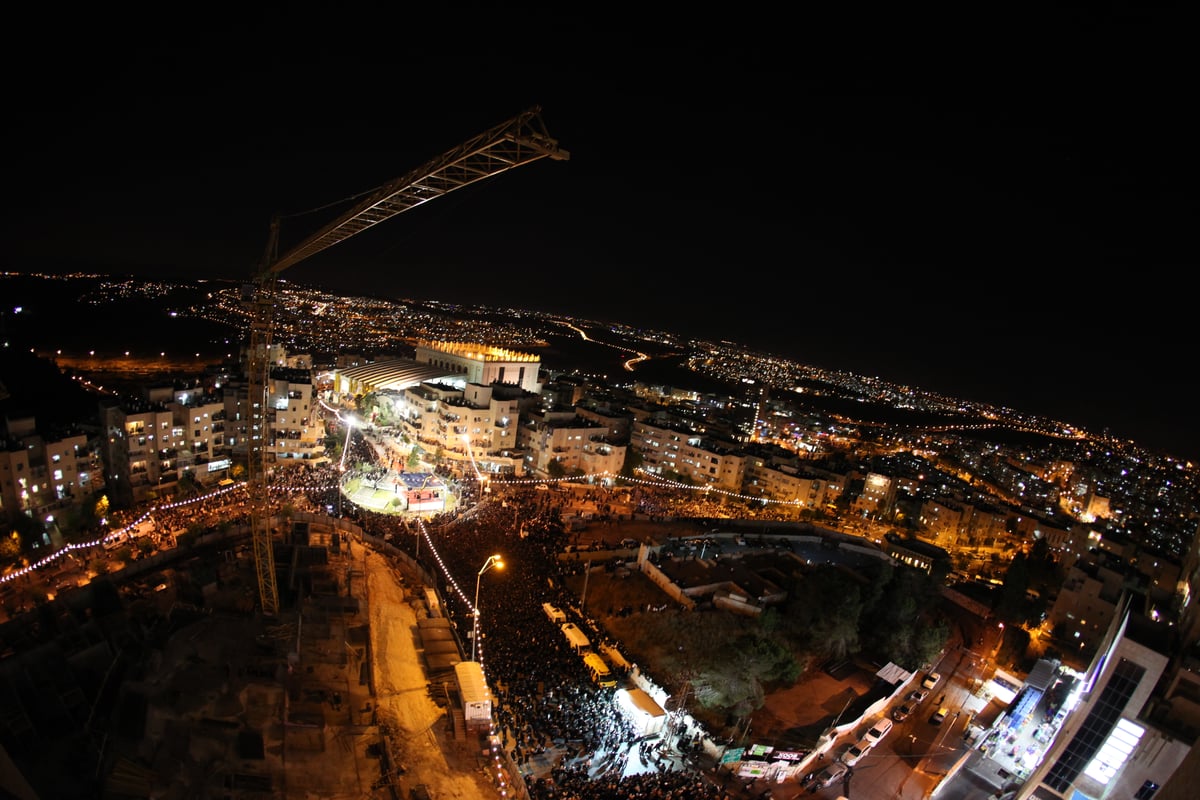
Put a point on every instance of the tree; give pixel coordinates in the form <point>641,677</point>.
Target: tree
<point>1016,587</point>
<point>930,640</point>
<point>27,533</point>
<point>79,522</point>
<point>10,548</point>
<point>898,622</point>
<point>824,610</point>
<point>187,485</point>
<point>839,635</point>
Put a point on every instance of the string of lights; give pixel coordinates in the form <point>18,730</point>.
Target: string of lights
<point>652,481</point>
<point>161,507</point>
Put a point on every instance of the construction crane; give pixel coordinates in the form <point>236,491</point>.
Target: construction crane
<point>521,140</point>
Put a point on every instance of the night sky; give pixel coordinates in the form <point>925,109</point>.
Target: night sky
<point>989,206</point>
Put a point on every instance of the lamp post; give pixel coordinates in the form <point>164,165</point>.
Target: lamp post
<point>912,741</point>
<point>348,421</point>
<point>341,475</point>
<point>493,561</point>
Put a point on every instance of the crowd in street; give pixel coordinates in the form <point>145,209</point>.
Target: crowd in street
<point>546,702</point>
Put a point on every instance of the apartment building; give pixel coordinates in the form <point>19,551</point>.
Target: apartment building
<point>475,423</point>
<point>140,448</point>
<point>296,432</point>
<point>43,474</point>
<point>877,498</point>
<point>671,448</point>
<point>569,441</point>
<point>943,521</point>
<point>806,488</point>
<point>200,420</point>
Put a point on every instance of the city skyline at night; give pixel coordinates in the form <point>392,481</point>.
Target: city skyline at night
<point>992,216</point>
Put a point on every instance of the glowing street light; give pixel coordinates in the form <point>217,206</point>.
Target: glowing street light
<point>493,561</point>
<point>349,421</point>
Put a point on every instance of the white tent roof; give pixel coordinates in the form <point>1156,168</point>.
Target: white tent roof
<point>643,702</point>
<point>396,374</point>
<point>890,673</point>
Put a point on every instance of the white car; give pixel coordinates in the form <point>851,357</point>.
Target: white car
<point>879,730</point>
<point>831,774</point>
<point>917,696</point>
<point>856,751</point>
<point>931,680</point>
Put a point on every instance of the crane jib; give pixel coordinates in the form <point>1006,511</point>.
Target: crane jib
<point>521,140</point>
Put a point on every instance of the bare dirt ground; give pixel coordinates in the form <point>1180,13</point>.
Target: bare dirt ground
<point>420,728</point>
<point>789,714</point>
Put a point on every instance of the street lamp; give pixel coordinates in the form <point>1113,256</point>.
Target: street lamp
<point>340,475</point>
<point>493,561</point>
<point>348,421</point>
<point>912,742</point>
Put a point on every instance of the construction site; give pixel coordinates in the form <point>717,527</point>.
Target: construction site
<point>191,692</point>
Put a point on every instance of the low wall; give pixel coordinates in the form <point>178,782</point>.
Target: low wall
<point>668,587</point>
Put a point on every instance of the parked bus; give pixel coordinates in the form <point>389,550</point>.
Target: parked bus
<point>576,639</point>
<point>598,669</point>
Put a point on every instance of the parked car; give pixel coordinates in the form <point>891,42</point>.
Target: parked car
<point>931,680</point>
<point>855,752</point>
<point>879,730</point>
<point>939,716</point>
<point>902,712</point>
<point>832,774</point>
<point>917,696</point>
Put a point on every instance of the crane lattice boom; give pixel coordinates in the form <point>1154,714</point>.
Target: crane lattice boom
<point>521,140</point>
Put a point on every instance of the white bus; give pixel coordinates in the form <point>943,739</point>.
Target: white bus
<point>577,640</point>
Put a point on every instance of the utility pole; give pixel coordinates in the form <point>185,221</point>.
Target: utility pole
<point>587,571</point>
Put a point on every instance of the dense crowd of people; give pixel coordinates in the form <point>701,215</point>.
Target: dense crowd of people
<point>546,702</point>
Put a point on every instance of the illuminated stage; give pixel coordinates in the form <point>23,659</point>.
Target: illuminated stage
<point>414,493</point>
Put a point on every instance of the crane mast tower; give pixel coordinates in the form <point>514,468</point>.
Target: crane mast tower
<point>521,140</point>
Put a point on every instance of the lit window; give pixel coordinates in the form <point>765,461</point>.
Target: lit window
<point>1146,792</point>
<point>1113,754</point>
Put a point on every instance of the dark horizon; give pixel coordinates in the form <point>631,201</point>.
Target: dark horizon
<point>990,208</point>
